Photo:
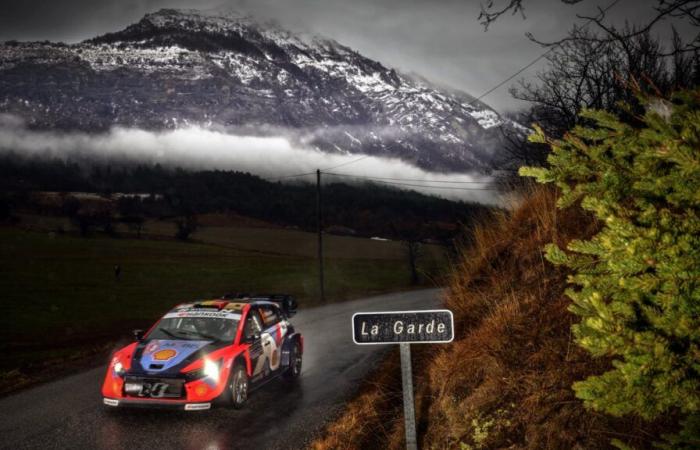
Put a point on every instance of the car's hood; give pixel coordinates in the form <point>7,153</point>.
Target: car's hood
<point>165,356</point>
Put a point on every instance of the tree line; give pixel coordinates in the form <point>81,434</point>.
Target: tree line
<point>180,195</point>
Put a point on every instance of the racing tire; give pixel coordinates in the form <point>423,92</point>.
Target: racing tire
<point>295,359</point>
<point>238,386</point>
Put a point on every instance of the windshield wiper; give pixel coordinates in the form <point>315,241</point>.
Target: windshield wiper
<point>168,332</point>
<point>192,333</point>
<point>197,333</point>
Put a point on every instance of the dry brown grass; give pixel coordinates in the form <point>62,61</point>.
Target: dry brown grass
<point>505,382</point>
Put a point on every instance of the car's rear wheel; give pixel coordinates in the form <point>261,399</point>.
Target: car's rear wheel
<point>295,360</point>
<point>238,386</point>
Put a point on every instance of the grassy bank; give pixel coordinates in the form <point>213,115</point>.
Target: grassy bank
<point>505,382</point>
<point>61,299</point>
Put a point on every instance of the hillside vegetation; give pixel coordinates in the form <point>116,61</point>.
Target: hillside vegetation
<point>612,361</point>
<point>506,379</point>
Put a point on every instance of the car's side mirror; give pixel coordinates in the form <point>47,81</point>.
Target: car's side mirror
<point>138,335</point>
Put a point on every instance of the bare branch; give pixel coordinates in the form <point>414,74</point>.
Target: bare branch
<point>489,14</point>
<point>679,9</point>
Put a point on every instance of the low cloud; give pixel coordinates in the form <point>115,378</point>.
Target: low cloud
<point>201,149</point>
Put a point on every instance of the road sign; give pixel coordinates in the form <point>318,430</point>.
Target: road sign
<point>396,327</point>
<point>404,328</point>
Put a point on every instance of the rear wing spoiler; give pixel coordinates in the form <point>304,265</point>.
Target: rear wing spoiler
<point>287,303</point>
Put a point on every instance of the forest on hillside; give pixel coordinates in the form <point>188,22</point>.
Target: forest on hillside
<point>365,209</point>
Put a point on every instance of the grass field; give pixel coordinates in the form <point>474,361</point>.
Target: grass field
<point>61,297</point>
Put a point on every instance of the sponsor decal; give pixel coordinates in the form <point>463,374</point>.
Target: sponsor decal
<point>164,355</point>
<point>133,388</point>
<point>281,331</point>
<point>198,313</point>
<point>197,406</point>
<point>155,390</point>
<point>152,347</point>
<point>168,353</point>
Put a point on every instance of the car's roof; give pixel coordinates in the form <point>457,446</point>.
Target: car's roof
<point>235,305</point>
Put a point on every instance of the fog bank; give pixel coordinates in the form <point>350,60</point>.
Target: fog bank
<point>197,148</point>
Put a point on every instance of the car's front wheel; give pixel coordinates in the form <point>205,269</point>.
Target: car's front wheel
<point>238,386</point>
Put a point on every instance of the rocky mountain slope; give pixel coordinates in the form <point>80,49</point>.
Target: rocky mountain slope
<point>179,68</point>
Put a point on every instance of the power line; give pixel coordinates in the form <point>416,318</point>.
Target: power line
<point>531,63</point>
<point>374,179</point>
<point>399,181</point>
<point>346,163</point>
<point>406,179</point>
<point>425,186</point>
<point>294,176</point>
<point>322,170</point>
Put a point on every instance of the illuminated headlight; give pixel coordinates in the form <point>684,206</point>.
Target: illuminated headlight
<point>118,367</point>
<point>211,370</point>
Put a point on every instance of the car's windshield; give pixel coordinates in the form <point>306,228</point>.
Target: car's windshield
<point>195,328</point>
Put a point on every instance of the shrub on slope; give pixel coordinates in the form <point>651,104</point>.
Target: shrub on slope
<point>505,382</point>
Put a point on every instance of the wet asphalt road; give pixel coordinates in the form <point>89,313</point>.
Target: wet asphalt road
<point>68,413</point>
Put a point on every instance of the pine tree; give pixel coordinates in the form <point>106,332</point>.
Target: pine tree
<point>636,283</point>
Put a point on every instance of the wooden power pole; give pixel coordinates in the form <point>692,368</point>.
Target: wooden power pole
<point>320,234</point>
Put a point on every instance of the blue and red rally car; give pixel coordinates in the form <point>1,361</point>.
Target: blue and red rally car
<point>201,352</point>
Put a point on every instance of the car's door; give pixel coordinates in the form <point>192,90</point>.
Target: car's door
<point>274,329</point>
<point>252,334</point>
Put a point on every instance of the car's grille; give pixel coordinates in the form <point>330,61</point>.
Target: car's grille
<point>154,387</point>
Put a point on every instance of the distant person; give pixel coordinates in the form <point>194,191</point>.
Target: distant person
<point>117,272</point>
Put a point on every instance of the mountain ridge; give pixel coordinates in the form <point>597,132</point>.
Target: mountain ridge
<point>178,68</point>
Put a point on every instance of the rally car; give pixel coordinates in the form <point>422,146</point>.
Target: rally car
<point>205,352</point>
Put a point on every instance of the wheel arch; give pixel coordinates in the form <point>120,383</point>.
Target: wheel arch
<point>289,342</point>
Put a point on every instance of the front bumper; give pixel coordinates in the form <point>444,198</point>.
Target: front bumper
<point>156,404</point>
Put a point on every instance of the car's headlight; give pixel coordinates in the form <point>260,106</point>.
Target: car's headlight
<point>211,370</point>
<point>118,367</point>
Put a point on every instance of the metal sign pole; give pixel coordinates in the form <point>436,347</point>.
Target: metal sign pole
<point>403,328</point>
<point>408,405</point>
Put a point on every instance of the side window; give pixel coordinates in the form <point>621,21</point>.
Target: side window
<point>252,324</point>
<point>270,315</point>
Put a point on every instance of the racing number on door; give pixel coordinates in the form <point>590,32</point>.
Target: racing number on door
<point>273,336</point>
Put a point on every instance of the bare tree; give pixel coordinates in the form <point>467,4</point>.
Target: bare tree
<point>413,246</point>
<point>587,72</point>
<point>681,10</point>
<point>597,66</point>
<point>186,226</point>
<point>491,11</point>
<point>135,224</point>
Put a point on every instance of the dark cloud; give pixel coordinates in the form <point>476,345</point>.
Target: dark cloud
<point>441,40</point>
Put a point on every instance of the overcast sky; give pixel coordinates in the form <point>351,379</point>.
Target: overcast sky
<point>441,39</point>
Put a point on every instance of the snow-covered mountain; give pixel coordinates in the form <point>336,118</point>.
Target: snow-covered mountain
<point>182,67</point>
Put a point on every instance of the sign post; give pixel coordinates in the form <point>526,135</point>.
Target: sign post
<point>404,328</point>
<point>409,413</point>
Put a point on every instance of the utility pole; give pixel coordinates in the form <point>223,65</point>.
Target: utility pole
<point>320,234</point>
